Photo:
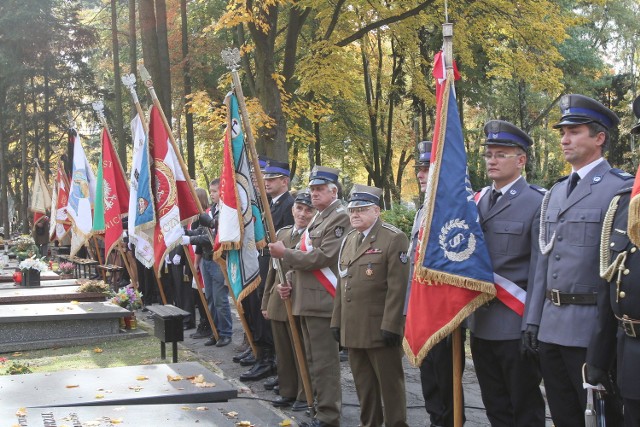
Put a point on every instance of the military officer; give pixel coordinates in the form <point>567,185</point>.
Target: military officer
<point>510,218</point>
<point>315,262</point>
<point>373,267</point>
<point>619,303</point>
<point>436,370</point>
<point>273,308</point>
<point>562,312</point>
<point>276,179</point>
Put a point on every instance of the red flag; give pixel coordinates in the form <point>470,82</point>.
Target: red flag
<point>633,222</point>
<point>174,202</point>
<point>453,273</point>
<point>60,224</point>
<point>115,196</point>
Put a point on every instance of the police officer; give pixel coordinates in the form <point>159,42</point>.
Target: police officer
<point>273,308</point>
<point>619,303</point>
<point>436,370</point>
<point>562,313</point>
<point>510,218</point>
<point>315,262</point>
<point>373,267</point>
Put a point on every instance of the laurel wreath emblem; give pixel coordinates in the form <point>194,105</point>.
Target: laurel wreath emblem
<point>445,232</point>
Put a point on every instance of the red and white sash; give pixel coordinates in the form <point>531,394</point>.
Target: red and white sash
<point>324,275</point>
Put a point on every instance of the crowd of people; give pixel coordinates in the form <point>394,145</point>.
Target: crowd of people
<point>347,274</point>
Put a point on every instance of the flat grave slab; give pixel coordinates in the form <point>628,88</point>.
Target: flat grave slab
<point>206,415</point>
<point>43,284</point>
<point>7,276</point>
<point>128,385</point>
<point>40,295</point>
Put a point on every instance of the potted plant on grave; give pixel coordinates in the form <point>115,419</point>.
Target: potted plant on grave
<point>24,247</point>
<point>65,270</point>
<point>31,269</point>
<point>130,298</point>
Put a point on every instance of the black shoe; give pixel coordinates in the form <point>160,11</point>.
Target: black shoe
<point>283,402</point>
<point>211,341</point>
<point>271,383</point>
<point>299,406</point>
<point>344,355</point>
<point>203,331</point>
<point>238,357</point>
<point>276,389</point>
<point>248,361</point>
<point>259,371</point>
<point>315,423</point>
<point>223,341</point>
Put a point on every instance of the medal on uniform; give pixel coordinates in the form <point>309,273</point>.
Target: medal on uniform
<point>369,270</point>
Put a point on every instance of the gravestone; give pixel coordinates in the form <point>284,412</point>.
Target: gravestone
<point>46,294</point>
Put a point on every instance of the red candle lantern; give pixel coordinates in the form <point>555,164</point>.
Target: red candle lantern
<point>17,276</point>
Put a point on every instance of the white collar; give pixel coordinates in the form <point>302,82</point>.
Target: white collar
<point>584,171</point>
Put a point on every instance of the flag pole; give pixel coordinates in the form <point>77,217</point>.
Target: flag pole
<point>447,32</point>
<point>231,57</point>
<point>146,77</point>
<point>98,107</point>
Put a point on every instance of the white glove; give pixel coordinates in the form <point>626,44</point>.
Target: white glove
<point>176,259</point>
<point>167,260</point>
<point>186,240</point>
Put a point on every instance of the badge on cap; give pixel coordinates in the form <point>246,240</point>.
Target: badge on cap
<point>404,257</point>
<point>339,231</point>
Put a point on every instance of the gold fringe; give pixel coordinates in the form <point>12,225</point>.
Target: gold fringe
<point>633,223</point>
<point>230,246</point>
<point>433,278</point>
<point>248,289</point>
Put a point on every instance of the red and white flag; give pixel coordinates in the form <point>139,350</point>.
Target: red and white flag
<point>59,225</point>
<point>40,197</point>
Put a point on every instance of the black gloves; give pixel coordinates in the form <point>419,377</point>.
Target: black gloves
<point>530,339</point>
<point>205,220</point>
<point>336,334</point>
<point>596,376</point>
<point>391,339</point>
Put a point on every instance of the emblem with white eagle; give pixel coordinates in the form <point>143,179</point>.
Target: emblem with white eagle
<point>457,241</point>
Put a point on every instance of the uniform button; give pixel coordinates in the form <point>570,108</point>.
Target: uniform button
<point>348,288</point>
<point>506,229</point>
<point>350,275</point>
<point>557,257</point>
<point>626,271</point>
<point>622,294</point>
<point>559,238</point>
<point>633,250</point>
<point>348,299</point>
<point>554,275</point>
<point>612,244</point>
<point>582,217</point>
<point>561,219</point>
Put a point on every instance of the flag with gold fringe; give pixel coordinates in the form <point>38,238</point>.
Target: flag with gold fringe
<point>40,197</point>
<point>59,225</point>
<point>240,229</point>
<point>453,274</point>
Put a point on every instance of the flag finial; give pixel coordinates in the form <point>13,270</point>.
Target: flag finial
<point>231,57</point>
<point>447,33</point>
<point>98,107</point>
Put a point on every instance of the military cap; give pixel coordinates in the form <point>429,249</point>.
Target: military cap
<point>636,110</point>
<point>363,195</point>
<point>499,132</point>
<point>275,169</point>
<point>424,153</point>
<point>304,197</point>
<point>262,161</point>
<point>580,110</point>
<point>323,175</point>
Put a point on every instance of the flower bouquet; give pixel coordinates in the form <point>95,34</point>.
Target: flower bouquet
<point>31,269</point>
<point>24,247</point>
<point>127,297</point>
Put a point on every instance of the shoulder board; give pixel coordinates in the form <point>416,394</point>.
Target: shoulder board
<point>391,227</point>
<point>340,209</point>
<point>625,190</point>
<point>562,178</point>
<point>351,231</point>
<point>537,188</point>
<point>286,227</point>
<point>621,174</point>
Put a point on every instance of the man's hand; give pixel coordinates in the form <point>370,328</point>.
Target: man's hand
<point>284,290</point>
<point>186,240</point>
<point>265,315</point>
<point>276,249</point>
<point>596,376</point>
<point>336,334</point>
<point>530,339</point>
<point>391,339</point>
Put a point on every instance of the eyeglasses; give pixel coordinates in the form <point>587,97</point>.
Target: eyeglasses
<point>499,156</point>
<point>358,210</point>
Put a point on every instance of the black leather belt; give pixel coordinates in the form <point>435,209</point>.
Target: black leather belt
<point>562,298</point>
<point>629,326</point>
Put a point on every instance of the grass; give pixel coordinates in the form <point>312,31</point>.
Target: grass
<point>108,354</point>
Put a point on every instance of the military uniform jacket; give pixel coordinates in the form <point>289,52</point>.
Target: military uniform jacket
<point>326,231</point>
<point>281,212</point>
<point>572,227</point>
<point>621,300</point>
<point>271,301</point>
<point>373,286</point>
<point>511,229</point>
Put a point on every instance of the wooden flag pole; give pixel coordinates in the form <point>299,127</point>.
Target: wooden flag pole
<point>231,57</point>
<point>144,74</point>
<point>98,107</point>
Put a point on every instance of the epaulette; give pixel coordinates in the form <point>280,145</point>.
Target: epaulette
<point>351,231</point>
<point>621,174</point>
<point>539,189</point>
<point>340,209</point>
<point>286,227</point>
<point>624,191</point>
<point>562,178</point>
<point>391,227</point>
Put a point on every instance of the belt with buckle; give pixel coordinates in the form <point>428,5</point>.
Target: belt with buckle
<point>629,325</point>
<point>562,298</point>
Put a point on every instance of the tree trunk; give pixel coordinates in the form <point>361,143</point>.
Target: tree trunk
<point>373,118</point>
<point>47,121</point>
<point>147,16</point>
<point>188,117</point>
<point>133,44</point>
<point>163,54</point>
<point>122,147</point>
<point>4,176</point>
<point>24,206</point>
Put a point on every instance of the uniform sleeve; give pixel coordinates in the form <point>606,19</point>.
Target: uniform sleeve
<point>536,299</point>
<point>326,255</point>
<point>397,277</point>
<point>601,350</point>
<point>533,262</point>
<point>336,317</point>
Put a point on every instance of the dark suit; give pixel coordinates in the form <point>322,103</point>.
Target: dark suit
<point>369,299</point>
<point>509,381</point>
<point>619,298</point>
<point>568,270</point>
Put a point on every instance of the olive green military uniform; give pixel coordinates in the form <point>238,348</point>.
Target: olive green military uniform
<point>369,299</point>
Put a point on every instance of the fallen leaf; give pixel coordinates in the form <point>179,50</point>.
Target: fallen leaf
<point>285,423</point>
<point>115,420</point>
<point>196,379</point>
<point>205,385</point>
<point>21,412</point>
<point>231,414</point>
<point>72,386</point>
<point>174,378</point>
<point>99,396</point>
<point>74,302</point>
<point>17,354</point>
<point>135,387</point>
<point>97,350</point>
<point>185,408</point>
<point>202,408</point>
<point>89,309</point>
<point>245,424</point>
<point>141,378</point>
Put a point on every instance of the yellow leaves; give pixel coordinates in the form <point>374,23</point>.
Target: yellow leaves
<point>142,378</point>
<point>285,423</point>
<point>72,386</point>
<point>97,350</point>
<point>21,412</point>
<point>244,424</point>
<point>174,378</point>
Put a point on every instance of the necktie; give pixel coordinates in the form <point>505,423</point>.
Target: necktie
<point>360,238</point>
<point>573,181</point>
<point>494,198</point>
